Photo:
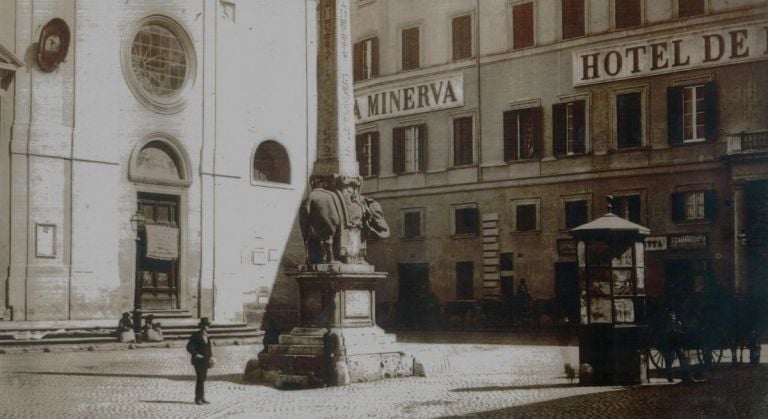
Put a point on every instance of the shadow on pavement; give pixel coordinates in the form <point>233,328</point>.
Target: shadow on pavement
<point>727,393</point>
<point>232,378</point>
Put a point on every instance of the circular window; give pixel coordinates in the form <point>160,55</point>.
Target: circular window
<point>159,63</point>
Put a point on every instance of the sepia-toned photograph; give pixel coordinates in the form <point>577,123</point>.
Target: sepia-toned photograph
<point>383,208</point>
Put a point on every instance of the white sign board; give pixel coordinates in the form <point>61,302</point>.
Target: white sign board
<point>414,97</point>
<point>680,52</point>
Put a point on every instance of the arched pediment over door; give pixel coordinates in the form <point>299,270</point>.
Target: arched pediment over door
<point>160,160</point>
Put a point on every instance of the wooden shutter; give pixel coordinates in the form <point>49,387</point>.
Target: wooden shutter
<point>462,141</point>
<point>617,206</point>
<point>710,111</point>
<point>579,127</point>
<point>634,209</point>
<point>359,145</point>
<point>410,48</point>
<point>573,18</point>
<point>398,150</point>
<point>462,37</point>
<point>675,115</point>
<point>559,128</point>
<point>626,13</point>
<point>422,145</point>
<point>375,57</point>
<point>710,204</point>
<point>522,25</point>
<point>538,118</point>
<point>678,206</point>
<point>375,153</point>
<point>510,135</point>
<point>357,61</point>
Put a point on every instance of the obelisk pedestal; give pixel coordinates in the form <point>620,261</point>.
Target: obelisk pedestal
<point>337,287</point>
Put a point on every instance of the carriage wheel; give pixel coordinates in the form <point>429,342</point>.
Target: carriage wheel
<point>717,355</point>
<point>657,359</point>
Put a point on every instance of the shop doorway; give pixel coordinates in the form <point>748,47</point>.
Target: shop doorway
<point>566,292</point>
<point>413,293</point>
<point>157,252</point>
<point>683,279</point>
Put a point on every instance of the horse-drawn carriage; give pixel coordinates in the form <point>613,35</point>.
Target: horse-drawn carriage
<point>717,327</point>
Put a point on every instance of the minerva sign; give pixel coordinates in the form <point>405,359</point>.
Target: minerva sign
<point>412,98</point>
<point>726,45</point>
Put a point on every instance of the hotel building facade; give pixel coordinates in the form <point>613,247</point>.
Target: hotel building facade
<point>488,129</point>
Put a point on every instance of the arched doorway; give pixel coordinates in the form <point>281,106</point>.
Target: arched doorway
<point>161,170</point>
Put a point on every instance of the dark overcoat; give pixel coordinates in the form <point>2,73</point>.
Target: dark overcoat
<point>197,346</point>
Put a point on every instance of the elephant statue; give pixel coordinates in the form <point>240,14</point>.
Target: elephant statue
<point>330,218</point>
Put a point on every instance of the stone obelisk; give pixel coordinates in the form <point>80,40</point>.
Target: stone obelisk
<point>335,95</point>
<point>337,340</point>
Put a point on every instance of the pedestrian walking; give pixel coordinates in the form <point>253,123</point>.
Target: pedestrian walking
<point>675,341</point>
<point>199,346</point>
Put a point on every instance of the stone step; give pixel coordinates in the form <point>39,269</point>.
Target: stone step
<point>296,349</point>
<point>287,379</point>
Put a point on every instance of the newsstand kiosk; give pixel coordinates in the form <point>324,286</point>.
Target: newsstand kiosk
<point>613,329</point>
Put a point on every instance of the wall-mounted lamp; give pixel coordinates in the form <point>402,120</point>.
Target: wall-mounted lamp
<point>137,221</point>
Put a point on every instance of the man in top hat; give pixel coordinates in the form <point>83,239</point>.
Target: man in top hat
<point>199,346</point>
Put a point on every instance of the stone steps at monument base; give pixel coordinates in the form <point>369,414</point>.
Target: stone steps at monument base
<point>348,339</point>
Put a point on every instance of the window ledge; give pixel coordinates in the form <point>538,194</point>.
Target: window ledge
<point>521,161</point>
<point>694,222</point>
<point>464,236</point>
<point>463,166</point>
<point>628,149</point>
<point>412,239</point>
<point>529,232</point>
<point>572,156</point>
<point>274,185</point>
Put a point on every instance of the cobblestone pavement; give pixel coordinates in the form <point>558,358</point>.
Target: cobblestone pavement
<point>494,375</point>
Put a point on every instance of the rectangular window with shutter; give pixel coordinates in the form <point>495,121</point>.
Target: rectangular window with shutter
<point>628,207</point>
<point>522,134</point>
<point>461,28</point>
<point>690,206</point>
<point>629,117</point>
<point>692,113</point>
<point>410,48</point>
<point>465,284</point>
<point>576,213</point>
<point>365,59</point>
<point>465,219</point>
<point>522,25</point>
<point>688,8</point>
<point>409,149</point>
<point>463,141</point>
<point>413,223</point>
<point>569,128</point>
<point>573,18</point>
<point>367,147</point>
<point>627,13</point>
<point>525,215</point>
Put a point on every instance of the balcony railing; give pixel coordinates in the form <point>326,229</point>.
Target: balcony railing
<point>752,142</point>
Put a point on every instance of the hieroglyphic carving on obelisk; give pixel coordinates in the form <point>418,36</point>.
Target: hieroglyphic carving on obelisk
<point>335,113</point>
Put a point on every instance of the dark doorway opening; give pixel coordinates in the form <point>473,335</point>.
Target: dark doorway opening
<point>413,302</point>
<point>157,280</point>
<point>566,292</point>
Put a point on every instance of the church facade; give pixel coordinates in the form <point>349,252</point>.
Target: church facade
<point>154,154</point>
